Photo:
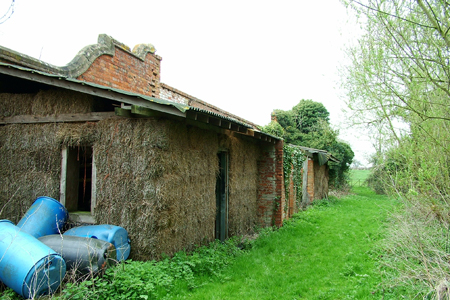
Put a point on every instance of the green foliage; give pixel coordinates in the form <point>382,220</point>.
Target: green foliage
<point>307,124</point>
<point>398,83</point>
<point>8,294</point>
<point>156,280</point>
<point>329,251</point>
<point>304,118</point>
<point>274,128</point>
<point>293,159</point>
<point>339,172</point>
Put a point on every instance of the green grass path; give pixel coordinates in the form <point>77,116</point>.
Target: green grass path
<point>326,252</point>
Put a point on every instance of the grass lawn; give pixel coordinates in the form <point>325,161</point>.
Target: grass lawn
<point>358,177</point>
<point>326,252</point>
<point>329,251</point>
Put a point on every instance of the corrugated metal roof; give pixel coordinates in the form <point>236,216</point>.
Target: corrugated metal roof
<point>324,155</point>
<point>181,107</point>
<point>219,116</point>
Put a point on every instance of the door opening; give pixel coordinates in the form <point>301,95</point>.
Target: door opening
<point>222,197</point>
<point>78,171</point>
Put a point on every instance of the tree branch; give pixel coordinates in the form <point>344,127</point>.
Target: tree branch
<point>8,15</point>
<point>389,14</point>
<point>434,22</point>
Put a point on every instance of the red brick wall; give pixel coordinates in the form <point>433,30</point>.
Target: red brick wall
<point>271,197</point>
<point>127,72</point>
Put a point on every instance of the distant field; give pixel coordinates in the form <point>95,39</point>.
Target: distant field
<point>358,177</point>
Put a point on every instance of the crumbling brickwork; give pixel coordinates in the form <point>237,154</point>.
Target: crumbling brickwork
<point>271,196</point>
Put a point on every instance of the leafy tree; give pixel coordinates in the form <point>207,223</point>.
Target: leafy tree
<point>307,124</point>
<point>398,82</point>
<point>304,118</point>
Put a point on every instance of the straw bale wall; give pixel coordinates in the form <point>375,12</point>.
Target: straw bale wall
<point>243,178</point>
<point>320,180</point>
<point>30,154</point>
<point>30,159</point>
<point>155,177</point>
<point>44,102</point>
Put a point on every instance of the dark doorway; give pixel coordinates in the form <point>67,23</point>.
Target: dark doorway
<point>79,179</point>
<point>222,197</point>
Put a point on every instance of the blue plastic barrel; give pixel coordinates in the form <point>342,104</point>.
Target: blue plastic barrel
<point>46,216</point>
<point>28,266</point>
<point>115,235</point>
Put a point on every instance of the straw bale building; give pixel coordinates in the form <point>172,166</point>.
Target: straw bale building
<point>116,146</point>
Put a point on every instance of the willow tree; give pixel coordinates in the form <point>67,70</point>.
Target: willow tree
<point>398,82</point>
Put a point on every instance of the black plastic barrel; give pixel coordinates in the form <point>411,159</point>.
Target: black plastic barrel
<point>116,235</point>
<point>84,255</point>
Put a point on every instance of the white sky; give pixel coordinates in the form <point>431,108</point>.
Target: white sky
<point>247,57</point>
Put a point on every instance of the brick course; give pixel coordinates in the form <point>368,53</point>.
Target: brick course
<point>127,72</point>
<point>271,196</point>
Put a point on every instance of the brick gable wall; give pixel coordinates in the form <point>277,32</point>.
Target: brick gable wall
<point>127,72</point>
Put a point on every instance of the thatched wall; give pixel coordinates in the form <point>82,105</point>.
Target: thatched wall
<point>155,177</point>
<point>321,178</point>
<point>30,155</point>
<point>42,103</point>
<point>243,179</point>
<point>30,160</point>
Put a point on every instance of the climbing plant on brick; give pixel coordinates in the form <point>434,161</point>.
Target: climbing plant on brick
<point>293,159</point>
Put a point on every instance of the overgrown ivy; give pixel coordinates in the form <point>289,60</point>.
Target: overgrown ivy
<point>293,159</point>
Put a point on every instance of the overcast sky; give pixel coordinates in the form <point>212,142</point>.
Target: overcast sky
<point>247,57</point>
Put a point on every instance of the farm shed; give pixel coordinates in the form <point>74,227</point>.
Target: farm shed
<point>315,174</point>
<point>309,182</point>
<point>97,135</point>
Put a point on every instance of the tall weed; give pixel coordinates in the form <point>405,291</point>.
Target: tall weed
<point>418,251</point>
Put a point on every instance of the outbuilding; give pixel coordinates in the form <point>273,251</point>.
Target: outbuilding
<point>116,146</point>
